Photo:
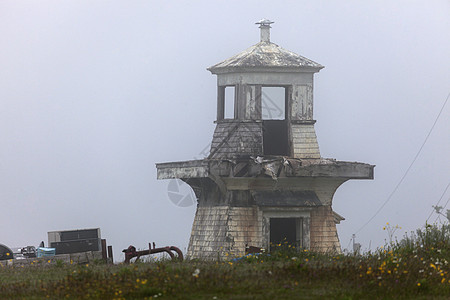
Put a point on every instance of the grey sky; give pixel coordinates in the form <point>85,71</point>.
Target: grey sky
<point>94,93</point>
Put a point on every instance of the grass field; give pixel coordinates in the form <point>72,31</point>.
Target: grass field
<point>416,267</point>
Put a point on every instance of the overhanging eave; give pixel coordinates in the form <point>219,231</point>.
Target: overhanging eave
<point>182,169</point>
<point>339,169</point>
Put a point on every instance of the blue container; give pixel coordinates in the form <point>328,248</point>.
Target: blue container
<point>43,252</point>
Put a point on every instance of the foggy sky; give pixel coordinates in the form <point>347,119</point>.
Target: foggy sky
<point>94,93</point>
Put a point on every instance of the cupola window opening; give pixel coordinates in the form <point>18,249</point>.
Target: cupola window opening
<point>273,103</point>
<point>226,106</point>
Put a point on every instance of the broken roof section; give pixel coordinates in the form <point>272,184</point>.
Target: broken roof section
<point>265,55</point>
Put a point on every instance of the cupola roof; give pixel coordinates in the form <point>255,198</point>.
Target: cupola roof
<point>265,55</point>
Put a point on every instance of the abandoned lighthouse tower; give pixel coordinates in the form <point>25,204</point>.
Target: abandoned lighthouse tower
<point>264,181</point>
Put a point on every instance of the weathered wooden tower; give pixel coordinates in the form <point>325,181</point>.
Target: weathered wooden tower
<point>264,180</point>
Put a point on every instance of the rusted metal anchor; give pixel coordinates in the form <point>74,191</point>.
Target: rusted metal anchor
<point>131,252</point>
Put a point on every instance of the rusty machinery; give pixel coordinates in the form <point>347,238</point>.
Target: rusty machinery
<point>131,252</point>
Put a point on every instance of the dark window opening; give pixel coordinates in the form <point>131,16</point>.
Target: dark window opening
<point>275,137</point>
<point>273,103</point>
<point>285,232</point>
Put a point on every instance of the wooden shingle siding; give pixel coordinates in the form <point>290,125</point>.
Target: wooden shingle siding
<point>323,232</point>
<point>221,232</point>
<point>304,141</point>
<point>235,138</point>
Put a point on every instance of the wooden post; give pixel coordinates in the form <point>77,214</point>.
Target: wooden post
<point>110,254</point>
<point>104,250</point>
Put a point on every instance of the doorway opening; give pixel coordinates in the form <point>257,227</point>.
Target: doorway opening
<point>285,232</point>
<point>273,114</point>
<point>275,137</point>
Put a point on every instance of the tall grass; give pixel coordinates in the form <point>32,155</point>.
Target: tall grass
<point>415,267</point>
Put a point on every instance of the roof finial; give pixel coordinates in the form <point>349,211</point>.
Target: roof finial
<point>264,24</point>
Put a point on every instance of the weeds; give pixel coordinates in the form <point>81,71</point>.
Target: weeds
<point>415,267</point>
